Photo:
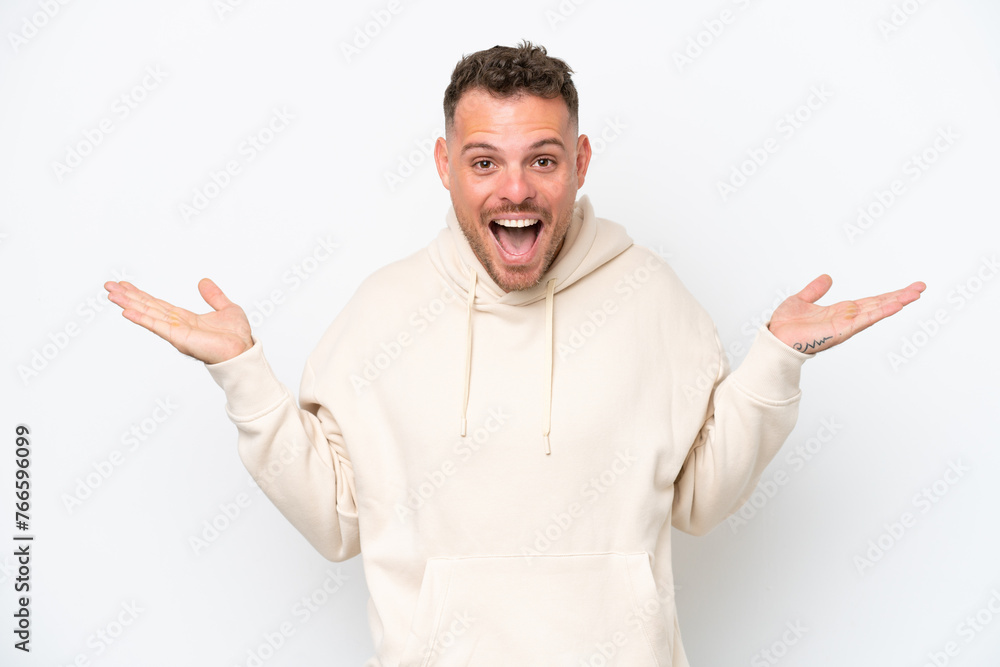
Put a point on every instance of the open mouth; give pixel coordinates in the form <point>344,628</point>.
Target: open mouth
<point>516,237</point>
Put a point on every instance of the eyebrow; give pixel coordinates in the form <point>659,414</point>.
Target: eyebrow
<point>490,147</point>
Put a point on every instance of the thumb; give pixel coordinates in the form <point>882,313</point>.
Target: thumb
<point>212,295</point>
<point>815,290</point>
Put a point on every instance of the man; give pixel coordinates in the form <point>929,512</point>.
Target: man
<point>509,480</point>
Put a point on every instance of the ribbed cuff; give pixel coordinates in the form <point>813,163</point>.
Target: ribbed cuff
<point>251,387</point>
<point>771,369</point>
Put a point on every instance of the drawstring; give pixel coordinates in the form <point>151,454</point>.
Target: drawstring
<point>468,350</point>
<point>547,372</point>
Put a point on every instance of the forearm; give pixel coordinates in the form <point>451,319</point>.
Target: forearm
<point>296,458</point>
<point>754,410</point>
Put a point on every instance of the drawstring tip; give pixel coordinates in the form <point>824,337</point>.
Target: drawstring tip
<point>545,441</point>
<point>461,427</point>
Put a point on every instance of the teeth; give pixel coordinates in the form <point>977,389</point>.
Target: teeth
<point>515,223</point>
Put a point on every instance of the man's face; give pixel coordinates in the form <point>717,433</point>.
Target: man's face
<point>513,167</point>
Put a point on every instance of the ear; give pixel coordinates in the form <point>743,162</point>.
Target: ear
<point>583,154</point>
<point>441,161</point>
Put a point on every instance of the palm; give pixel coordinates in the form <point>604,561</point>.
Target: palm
<point>807,327</point>
<point>211,337</point>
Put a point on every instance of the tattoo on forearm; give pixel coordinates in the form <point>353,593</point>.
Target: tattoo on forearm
<point>809,346</point>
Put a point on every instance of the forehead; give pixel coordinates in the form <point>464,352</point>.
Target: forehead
<point>479,114</point>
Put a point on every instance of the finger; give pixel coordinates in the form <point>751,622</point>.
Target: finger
<point>911,293</point>
<point>893,301</point>
<point>212,295</point>
<point>155,315</point>
<point>870,310</point>
<point>133,298</point>
<point>124,294</point>
<point>166,325</point>
<point>815,290</point>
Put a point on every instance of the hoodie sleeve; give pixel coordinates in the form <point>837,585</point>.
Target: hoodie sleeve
<point>296,455</point>
<point>750,414</point>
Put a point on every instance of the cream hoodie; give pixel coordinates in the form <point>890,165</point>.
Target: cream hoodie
<point>509,465</point>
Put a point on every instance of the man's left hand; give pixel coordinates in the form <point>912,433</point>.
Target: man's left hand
<point>806,327</point>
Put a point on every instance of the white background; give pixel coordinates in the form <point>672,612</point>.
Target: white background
<point>672,132</point>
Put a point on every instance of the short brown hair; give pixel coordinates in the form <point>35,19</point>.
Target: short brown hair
<point>508,71</point>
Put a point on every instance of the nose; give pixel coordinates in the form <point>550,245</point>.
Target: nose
<point>515,185</point>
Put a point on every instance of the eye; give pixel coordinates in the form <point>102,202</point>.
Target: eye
<point>544,162</point>
<point>483,164</point>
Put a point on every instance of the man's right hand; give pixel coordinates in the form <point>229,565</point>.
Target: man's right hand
<point>211,338</point>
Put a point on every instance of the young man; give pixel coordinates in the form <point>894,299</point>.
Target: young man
<point>511,473</point>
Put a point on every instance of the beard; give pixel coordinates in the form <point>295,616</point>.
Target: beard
<point>512,278</point>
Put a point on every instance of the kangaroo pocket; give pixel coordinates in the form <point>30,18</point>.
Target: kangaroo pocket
<point>572,611</point>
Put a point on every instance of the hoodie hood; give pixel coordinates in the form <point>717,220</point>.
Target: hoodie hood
<point>590,243</point>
